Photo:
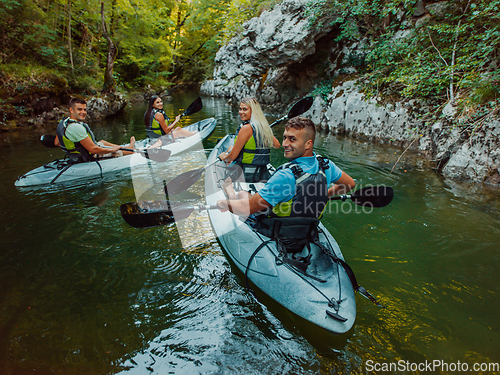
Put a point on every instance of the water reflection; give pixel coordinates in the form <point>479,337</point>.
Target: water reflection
<point>83,292</point>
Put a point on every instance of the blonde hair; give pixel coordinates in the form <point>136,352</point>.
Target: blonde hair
<point>264,136</point>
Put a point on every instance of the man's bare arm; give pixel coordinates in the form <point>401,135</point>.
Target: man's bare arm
<point>244,206</point>
<point>342,186</point>
<point>91,147</point>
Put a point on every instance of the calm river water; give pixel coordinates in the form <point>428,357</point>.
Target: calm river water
<point>84,293</point>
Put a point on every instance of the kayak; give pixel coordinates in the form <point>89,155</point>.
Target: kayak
<point>322,295</point>
<point>62,170</point>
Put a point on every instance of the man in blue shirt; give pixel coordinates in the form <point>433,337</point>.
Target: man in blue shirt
<point>298,142</point>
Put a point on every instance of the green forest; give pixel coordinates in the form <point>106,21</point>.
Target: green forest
<point>91,46</point>
<point>154,42</point>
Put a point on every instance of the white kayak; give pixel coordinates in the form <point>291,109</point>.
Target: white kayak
<point>62,170</point>
<point>323,295</point>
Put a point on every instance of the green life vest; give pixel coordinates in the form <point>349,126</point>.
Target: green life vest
<point>74,150</point>
<point>250,154</point>
<point>154,129</point>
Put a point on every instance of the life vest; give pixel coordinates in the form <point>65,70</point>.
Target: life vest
<point>311,192</point>
<point>74,150</point>
<point>154,129</point>
<point>250,154</point>
<point>295,222</point>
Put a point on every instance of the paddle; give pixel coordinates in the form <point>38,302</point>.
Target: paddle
<point>372,196</point>
<point>194,107</point>
<point>298,108</point>
<point>155,154</point>
<point>185,180</point>
<point>148,214</point>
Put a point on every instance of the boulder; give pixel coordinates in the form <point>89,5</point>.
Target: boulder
<point>280,57</point>
<point>107,105</point>
<point>249,62</point>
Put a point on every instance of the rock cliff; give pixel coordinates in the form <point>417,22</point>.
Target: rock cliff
<point>275,58</point>
<point>280,57</point>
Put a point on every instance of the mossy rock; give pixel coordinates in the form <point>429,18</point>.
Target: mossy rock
<point>8,112</point>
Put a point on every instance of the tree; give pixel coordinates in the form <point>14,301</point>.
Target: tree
<point>109,81</point>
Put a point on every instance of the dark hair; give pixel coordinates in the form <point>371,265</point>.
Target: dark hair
<point>147,115</point>
<point>303,123</point>
<point>74,101</point>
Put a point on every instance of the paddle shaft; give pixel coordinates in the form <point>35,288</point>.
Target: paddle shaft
<point>153,214</point>
<point>374,196</point>
<point>186,180</point>
<point>150,214</point>
<point>204,207</point>
<point>279,120</point>
<point>342,197</point>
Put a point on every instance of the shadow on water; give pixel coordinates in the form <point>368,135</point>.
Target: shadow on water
<point>84,293</point>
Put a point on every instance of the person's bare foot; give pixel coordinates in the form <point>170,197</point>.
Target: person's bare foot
<point>227,186</point>
<point>132,142</point>
<point>157,144</point>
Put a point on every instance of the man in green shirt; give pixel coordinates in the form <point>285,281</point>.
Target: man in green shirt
<point>77,140</point>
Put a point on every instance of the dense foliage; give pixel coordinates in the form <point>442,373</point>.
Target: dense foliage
<point>159,42</point>
<point>449,56</point>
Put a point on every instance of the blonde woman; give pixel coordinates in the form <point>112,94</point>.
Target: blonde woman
<point>254,139</point>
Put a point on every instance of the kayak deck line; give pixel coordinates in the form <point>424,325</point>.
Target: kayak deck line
<point>301,272</point>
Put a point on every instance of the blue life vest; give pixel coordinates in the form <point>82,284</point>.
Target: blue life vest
<point>311,192</point>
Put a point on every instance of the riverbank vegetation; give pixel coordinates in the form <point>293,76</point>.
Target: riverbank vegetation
<point>86,46</point>
<point>444,53</point>
<point>439,52</point>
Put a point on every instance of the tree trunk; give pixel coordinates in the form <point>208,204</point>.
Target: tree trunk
<point>109,81</point>
<point>69,38</point>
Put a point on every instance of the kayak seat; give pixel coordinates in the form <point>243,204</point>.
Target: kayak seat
<point>293,233</point>
<point>165,139</point>
<point>256,173</point>
<point>151,134</point>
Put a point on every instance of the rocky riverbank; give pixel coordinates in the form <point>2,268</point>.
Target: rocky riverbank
<point>38,111</point>
<point>278,59</point>
<point>465,153</point>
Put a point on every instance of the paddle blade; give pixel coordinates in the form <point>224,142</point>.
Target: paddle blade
<point>183,181</point>
<point>48,140</point>
<point>373,196</point>
<point>194,107</point>
<point>147,214</point>
<point>300,107</point>
<point>156,154</point>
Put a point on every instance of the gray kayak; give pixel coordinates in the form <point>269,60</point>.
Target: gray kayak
<point>323,295</point>
<point>62,170</point>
